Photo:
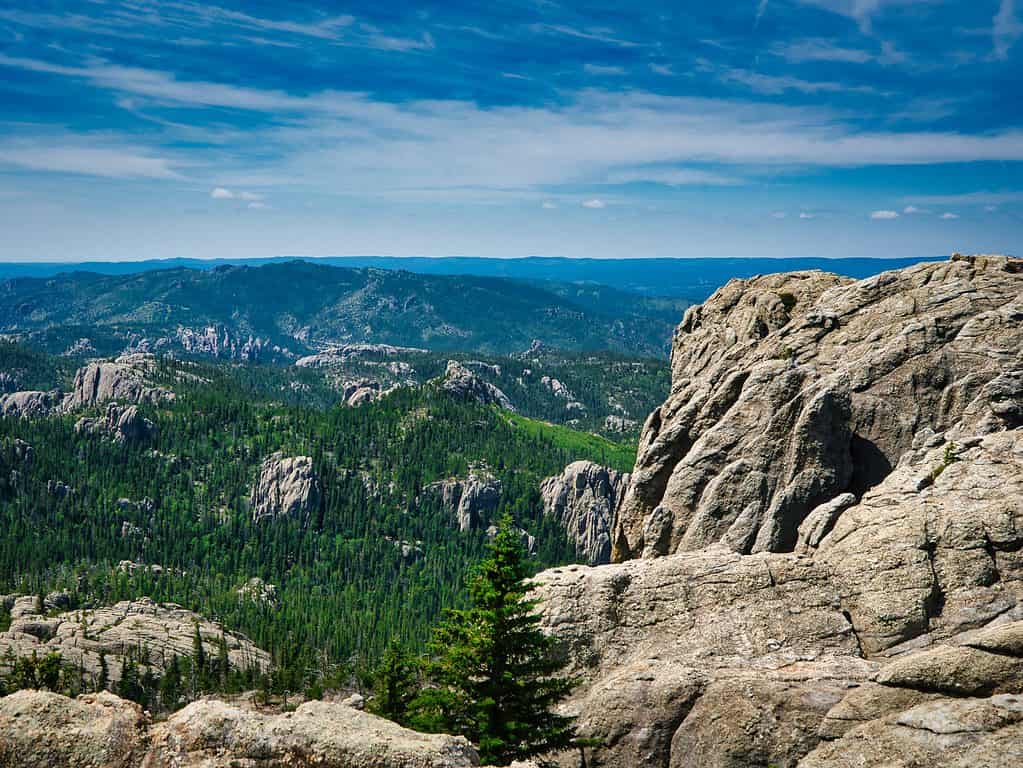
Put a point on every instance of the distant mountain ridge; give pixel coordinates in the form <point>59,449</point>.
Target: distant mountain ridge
<point>289,309</point>
<point>692,279</point>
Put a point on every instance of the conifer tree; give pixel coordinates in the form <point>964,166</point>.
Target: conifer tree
<point>494,673</point>
<point>394,684</point>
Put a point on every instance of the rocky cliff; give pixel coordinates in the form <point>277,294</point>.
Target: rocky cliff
<point>472,500</point>
<point>463,383</point>
<point>123,379</point>
<point>820,553</point>
<point>287,486</point>
<point>164,630</point>
<point>584,499</point>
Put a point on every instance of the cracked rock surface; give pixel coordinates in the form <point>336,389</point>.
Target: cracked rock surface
<point>819,556</point>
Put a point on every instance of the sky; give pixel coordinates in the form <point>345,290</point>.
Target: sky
<point>599,128</point>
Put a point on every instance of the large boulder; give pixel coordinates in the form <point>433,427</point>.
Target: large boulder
<point>584,499</point>
<point>214,734</point>
<point>286,487</point>
<point>39,729</point>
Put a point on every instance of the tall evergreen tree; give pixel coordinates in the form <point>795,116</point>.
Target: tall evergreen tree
<point>394,684</point>
<point>494,672</point>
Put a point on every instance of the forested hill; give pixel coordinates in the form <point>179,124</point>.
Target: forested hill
<point>293,308</point>
<point>173,510</point>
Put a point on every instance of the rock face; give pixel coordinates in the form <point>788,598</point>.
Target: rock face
<point>165,629</point>
<point>471,500</point>
<point>821,548</point>
<point>40,730</point>
<point>218,341</point>
<point>122,379</point>
<point>790,389</point>
<point>30,404</point>
<point>124,424</point>
<point>461,382</point>
<point>584,499</point>
<point>286,487</point>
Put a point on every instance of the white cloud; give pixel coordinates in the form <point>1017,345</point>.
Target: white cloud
<point>548,205</point>
<point>779,214</point>
<point>820,49</point>
<point>883,215</point>
<point>257,206</point>
<point>911,209</point>
<point>595,203</point>
<point>990,208</point>
<point>674,177</point>
<point>70,153</point>
<point>223,193</point>
<point>948,216</point>
<point>601,69</point>
<point>1006,29</point>
<point>661,69</point>
<point>806,215</point>
<point>343,142</point>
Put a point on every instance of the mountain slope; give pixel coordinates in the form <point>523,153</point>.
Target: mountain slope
<point>291,308</point>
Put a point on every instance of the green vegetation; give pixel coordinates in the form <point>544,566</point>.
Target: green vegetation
<point>346,582</point>
<point>493,674</point>
<point>611,454</point>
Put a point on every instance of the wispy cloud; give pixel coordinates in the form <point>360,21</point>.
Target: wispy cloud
<point>595,203</point>
<point>85,156</point>
<point>603,69</point>
<point>884,215</point>
<point>807,215</point>
<point>599,35</point>
<point>1006,29</point>
<point>948,216</point>
<point>819,49</point>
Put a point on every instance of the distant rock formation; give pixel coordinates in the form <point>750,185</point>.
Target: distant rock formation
<point>463,383</point>
<point>285,487</point>
<point>122,423</point>
<point>164,629</point>
<point>342,353</point>
<point>821,547</point>
<point>218,341</point>
<point>471,500</point>
<point>40,729</point>
<point>584,499</point>
<point>122,379</point>
<point>30,404</point>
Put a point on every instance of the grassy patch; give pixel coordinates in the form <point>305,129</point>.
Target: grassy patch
<point>585,445</point>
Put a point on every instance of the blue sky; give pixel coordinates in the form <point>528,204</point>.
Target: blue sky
<point>133,130</point>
